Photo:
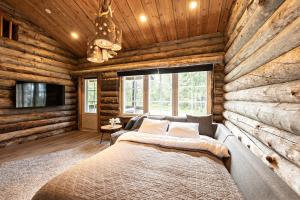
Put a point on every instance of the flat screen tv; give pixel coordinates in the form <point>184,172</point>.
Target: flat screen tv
<point>30,94</point>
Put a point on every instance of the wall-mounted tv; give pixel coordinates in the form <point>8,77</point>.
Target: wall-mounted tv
<point>30,94</point>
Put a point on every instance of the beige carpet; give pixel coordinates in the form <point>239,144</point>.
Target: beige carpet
<point>20,179</point>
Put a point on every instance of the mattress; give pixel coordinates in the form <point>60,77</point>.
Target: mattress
<point>134,170</point>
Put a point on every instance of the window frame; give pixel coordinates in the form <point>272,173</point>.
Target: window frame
<point>13,27</point>
<point>86,90</point>
<point>174,94</point>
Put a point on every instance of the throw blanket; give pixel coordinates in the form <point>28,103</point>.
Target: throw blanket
<point>203,143</point>
<point>136,171</point>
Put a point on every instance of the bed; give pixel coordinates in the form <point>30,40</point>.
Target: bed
<point>148,167</point>
<point>151,168</point>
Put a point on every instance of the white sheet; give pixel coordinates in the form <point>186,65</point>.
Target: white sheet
<point>202,143</point>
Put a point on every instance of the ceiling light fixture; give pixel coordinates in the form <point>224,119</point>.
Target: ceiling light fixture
<point>143,18</point>
<point>108,36</point>
<point>74,35</point>
<point>47,10</point>
<point>193,5</point>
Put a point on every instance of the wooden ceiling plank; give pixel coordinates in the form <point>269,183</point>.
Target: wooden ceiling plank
<point>224,15</point>
<point>32,12</point>
<point>58,26</point>
<point>180,13</point>
<point>166,15</point>
<point>125,11</point>
<point>214,15</point>
<point>76,15</point>
<point>138,10</point>
<point>127,35</point>
<point>203,17</point>
<point>89,8</point>
<point>74,24</point>
<point>194,19</point>
<point>56,17</point>
<point>151,8</point>
<point>28,28</point>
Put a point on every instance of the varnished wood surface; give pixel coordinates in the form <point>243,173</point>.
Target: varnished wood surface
<point>167,19</point>
<point>85,141</point>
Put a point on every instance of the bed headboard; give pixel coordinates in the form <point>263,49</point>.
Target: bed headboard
<point>253,177</point>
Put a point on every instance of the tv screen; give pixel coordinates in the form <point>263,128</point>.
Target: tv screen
<point>29,94</point>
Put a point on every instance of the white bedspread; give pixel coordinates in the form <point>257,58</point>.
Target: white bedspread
<point>202,143</point>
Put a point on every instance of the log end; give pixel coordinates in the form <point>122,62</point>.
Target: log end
<point>272,161</point>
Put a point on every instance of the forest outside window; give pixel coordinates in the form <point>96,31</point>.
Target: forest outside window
<point>90,95</point>
<point>133,95</point>
<point>167,94</point>
<point>192,93</point>
<point>160,94</point>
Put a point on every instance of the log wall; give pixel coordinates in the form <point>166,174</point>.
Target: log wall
<point>197,50</point>
<point>262,83</point>
<point>34,57</point>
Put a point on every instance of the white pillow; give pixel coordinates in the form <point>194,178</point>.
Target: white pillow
<point>183,129</point>
<point>154,126</point>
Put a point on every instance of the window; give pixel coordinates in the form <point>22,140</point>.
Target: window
<point>192,93</point>
<point>160,94</point>
<point>133,94</point>
<point>167,94</point>
<point>8,28</point>
<point>90,95</point>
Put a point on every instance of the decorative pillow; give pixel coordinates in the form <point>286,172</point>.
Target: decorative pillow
<point>205,124</point>
<point>138,122</point>
<point>131,122</point>
<point>176,119</point>
<point>154,126</point>
<point>183,129</point>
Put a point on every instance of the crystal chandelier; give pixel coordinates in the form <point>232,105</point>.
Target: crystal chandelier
<point>108,36</point>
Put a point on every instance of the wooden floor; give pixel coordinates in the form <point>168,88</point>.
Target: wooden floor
<point>86,141</point>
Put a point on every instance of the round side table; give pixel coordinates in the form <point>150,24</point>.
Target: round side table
<point>109,129</point>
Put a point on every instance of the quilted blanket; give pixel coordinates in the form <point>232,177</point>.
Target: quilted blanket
<point>132,170</point>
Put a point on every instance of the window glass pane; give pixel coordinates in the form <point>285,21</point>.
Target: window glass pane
<point>133,95</point>
<point>160,94</point>
<point>90,95</point>
<point>192,93</point>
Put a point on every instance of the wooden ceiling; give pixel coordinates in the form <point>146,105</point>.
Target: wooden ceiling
<point>167,19</point>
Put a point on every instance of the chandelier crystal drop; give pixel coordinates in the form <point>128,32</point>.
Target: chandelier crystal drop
<point>108,37</point>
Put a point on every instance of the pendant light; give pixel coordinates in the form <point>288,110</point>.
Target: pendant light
<point>117,46</point>
<point>94,53</point>
<point>108,36</point>
<point>105,30</point>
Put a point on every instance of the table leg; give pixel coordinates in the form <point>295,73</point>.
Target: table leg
<point>101,137</point>
<point>110,140</point>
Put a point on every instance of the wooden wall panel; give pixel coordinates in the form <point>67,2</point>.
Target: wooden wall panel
<point>39,58</point>
<point>262,83</point>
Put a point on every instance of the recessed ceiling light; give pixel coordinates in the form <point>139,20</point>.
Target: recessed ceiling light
<point>74,35</point>
<point>143,18</point>
<point>193,5</point>
<point>47,10</point>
